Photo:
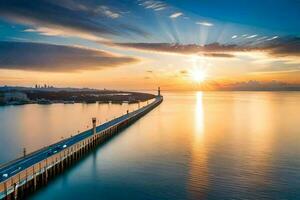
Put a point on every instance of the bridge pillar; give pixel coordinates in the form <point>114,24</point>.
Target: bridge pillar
<point>34,177</point>
<point>5,188</point>
<point>61,161</point>
<point>15,194</point>
<point>46,171</point>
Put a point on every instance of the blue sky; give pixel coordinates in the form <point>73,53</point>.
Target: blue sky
<point>150,20</point>
<point>149,31</point>
<point>278,15</point>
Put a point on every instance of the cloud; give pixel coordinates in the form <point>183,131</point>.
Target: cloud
<point>289,46</point>
<point>212,50</point>
<point>175,15</point>
<point>56,58</point>
<point>183,71</point>
<point>70,17</point>
<point>205,23</point>
<point>64,32</point>
<point>220,55</point>
<point>254,85</point>
<point>107,12</point>
<point>273,38</point>
<point>154,5</point>
<point>251,36</point>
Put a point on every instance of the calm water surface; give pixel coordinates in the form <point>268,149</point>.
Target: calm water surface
<point>211,145</point>
<point>34,126</point>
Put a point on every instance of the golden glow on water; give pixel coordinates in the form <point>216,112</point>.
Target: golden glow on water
<point>199,173</point>
<point>199,115</point>
<point>236,132</point>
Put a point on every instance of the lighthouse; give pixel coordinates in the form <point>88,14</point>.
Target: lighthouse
<point>158,91</point>
<point>94,120</point>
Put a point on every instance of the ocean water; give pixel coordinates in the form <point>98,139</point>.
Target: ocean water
<point>195,145</point>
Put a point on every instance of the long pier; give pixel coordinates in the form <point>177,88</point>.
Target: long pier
<point>25,175</point>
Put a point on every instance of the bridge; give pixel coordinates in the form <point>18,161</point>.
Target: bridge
<point>25,175</point>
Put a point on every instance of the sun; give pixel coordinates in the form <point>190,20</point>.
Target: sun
<point>198,75</point>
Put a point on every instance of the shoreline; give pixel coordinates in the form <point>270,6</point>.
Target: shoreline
<point>46,96</point>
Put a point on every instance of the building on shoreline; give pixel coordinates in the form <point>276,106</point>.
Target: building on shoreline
<point>13,98</point>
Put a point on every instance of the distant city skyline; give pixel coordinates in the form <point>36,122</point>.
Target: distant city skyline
<point>142,44</point>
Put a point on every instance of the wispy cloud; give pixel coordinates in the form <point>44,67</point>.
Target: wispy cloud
<point>71,18</point>
<point>219,55</point>
<point>107,12</point>
<point>65,32</point>
<point>175,15</point>
<point>252,36</point>
<point>56,58</point>
<point>205,23</point>
<point>273,38</point>
<point>154,5</point>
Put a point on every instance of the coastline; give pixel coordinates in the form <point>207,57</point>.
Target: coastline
<point>46,96</point>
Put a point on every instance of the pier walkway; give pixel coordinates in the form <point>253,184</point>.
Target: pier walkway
<point>23,176</point>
